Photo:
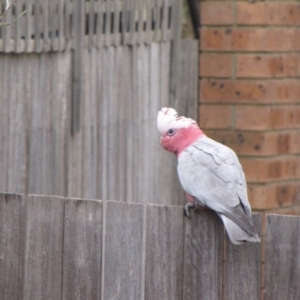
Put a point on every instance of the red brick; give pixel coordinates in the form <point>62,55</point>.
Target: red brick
<point>251,13</point>
<point>268,13</point>
<point>272,169</point>
<point>274,196</point>
<point>283,13</point>
<point>250,39</point>
<point>258,143</point>
<point>216,13</point>
<point>215,65</point>
<point>267,65</point>
<point>267,117</point>
<point>215,116</point>
<point>262,197</point>
<point>249,91</point>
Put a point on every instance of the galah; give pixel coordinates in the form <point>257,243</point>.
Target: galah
<point>210,173</point>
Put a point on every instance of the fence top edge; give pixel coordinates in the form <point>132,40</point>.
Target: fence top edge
<point>272,215</point>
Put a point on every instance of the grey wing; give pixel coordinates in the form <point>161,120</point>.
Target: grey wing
<point>211,173</point>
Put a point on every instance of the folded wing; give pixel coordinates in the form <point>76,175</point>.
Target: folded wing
<point>211,173</point>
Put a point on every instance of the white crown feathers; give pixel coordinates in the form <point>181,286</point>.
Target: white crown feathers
<point>168,118</point>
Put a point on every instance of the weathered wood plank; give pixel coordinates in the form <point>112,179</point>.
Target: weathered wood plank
<point>120,120</point>
<point>82,250</point>
<point>164,253</point>
<point>152,110</point>
<point>144,67</point>
<point>188,104</point>
<point>75,141</point>
<point>18,25</point>
<point>46,30</point>
<point>11,246</point>
<point>44,244</point>
<point>123,251</point>
<point>111,117</point>
<point>136,155</point>
<point>99,122</point>
<point>91,23</point>
<point>60,120</point>
<point>61,25</point>
<point>175,84</point>
<point>78,25</point>
<point>90,132</point>
<point>7,30</point>
<point>38,21</point>
<point>116,26</point>
<point>26,99</point>
<point>4,119</point>
<point>130,126</point>
<point>99,27</point>
<point>108,35</point>
<point>165,20</point>
<point>282,257</point>
<point>16,140</point>
<point>46,146</point>
<point>35,180</point>
<point>141,89</point>
<point>29,26</point>
<point>203,257</point>
<point>243,268</point>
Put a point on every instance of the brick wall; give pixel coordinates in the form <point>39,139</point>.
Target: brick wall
<point>250,93</point>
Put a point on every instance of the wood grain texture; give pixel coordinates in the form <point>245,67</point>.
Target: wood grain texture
<point>141,92</point>
<point>11,246</point>
<point>82,250</point>
<point>16,141</point>
<point>203,256</point>
<point>90,114</point>
<point>78,46</point>
<point>60,121</point>
<point>154,106</point>
<point>4,120</point>
<point>44,245</point>
<point>243,268</point>
<point>188,104</point>
<point>35,131</point>
<point>164,253</point>
<point>282,258</point>
<point>123,251</point>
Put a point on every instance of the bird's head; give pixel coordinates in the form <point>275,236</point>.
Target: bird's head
<point>177,133</point>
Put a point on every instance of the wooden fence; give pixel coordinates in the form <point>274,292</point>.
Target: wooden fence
<point>61,248</point>
<point>78,107</point>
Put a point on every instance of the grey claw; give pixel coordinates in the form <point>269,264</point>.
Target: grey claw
<point>186,209</point>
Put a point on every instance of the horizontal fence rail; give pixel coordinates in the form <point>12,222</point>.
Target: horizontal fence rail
<point>62,248</point>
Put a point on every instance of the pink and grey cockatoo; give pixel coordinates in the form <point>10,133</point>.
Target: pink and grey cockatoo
<point>210,174</point>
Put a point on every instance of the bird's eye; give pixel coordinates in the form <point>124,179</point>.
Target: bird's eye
<point>171,132</point>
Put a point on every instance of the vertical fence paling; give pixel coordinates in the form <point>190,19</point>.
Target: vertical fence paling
<point>243,268</point>
<point>282,259</point>
<point>43,248</point>
<point>82,250</point>
<point>11,246</point>
<point>203,268</point>
<point>58,242</point>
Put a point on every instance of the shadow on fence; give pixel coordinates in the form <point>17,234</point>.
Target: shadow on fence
<point>60,248</point>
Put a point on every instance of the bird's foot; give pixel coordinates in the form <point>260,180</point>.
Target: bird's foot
<point>187,208</point>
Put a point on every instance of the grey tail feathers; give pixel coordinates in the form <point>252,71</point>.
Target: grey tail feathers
<point>236,234</point>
